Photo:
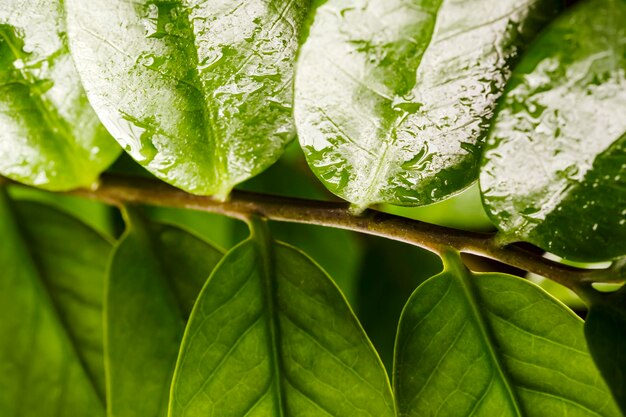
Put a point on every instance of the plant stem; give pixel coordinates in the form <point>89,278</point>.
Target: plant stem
<point>121,190</point>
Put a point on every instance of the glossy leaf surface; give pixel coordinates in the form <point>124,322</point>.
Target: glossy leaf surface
<point>155,276</point>
<point>605,329</point>
<point>198,92</point>
<point>49,135</point>
<point>51,293</point>
<point>271,335</point>
<point>392,99</point>
<point>554,170</point>
<point>493,345</point>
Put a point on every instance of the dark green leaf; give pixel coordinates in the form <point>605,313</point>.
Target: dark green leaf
<point>51,293</point>
<point>198,92</point>
<point>554,170</point>
<point>271,335</point>
<point>493,345</point>
<point>605,330</point>
<point>155,276</point>
<point>392,98</point>
<point>49,135</point>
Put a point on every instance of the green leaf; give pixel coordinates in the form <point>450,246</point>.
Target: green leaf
<point>271,335</point>
<point>49,135</point>
<point>554,169</point>
<point>51,293</point>
<point>198,92</point>
<point>605,330</point>
<point>154,278</point>
<point>392,99</point>
<point>493,345</point>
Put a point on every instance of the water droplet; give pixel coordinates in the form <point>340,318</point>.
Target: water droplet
<point>151,61</point>
<point>212,58</point>
<point>406,104</point>
<point>471,148</point>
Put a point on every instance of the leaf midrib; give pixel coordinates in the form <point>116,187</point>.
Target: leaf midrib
<point>208,111</point>
<point>264,244</point>
<point>461,275</point>
<point>376,179</point>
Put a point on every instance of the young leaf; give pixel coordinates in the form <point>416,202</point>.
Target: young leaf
<point>557,149</point>
<point>493,345</point>
<point>154,278</point>
<point>271,335</point>
<point>605,330</point>
<point>392,98</point>
<point>51,292</point>
<point>49,135</point>
<point>196,91</point>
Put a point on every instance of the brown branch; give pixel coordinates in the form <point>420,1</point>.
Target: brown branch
<point>121,190</point>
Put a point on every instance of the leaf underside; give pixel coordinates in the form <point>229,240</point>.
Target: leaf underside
<point>198,92</point>
<point>49,135</point>
<point>271,335</point>
<point>51,293</point>
<point>493,345</point>
<point>392,99</point>
<point>554,169</point>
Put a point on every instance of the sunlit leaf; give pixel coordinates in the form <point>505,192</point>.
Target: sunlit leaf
<point>393,98</point>
<point>154,278</point>
<point>49,135</point>
<point>198,92</point>
<point>271,335</point>
<point>554,170</point>
<point>51,292</point>
<point>493,345</point>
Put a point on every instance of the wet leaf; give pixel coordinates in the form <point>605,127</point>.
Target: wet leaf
<point>155,276</point>
<point>271,335</point>
<point>197,92</point>
<point>605,329</point>
<point>393,98</point>
<point>554,169</point>
<point>493,344</point>
<point>51,294</point>
<point>49,135</point>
